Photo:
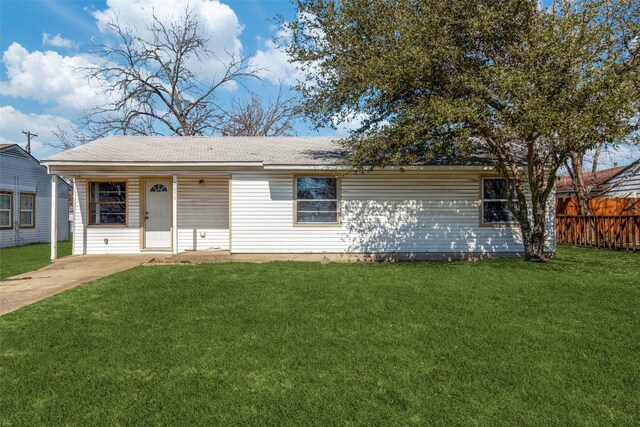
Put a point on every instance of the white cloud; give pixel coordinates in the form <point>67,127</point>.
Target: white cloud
<point>57,41</point>
<point>58,82</point>
<point>274,64</point>
<point>352,121</point>
<point>49,78</point>
<point>219,24</point>
<point>13,122</point>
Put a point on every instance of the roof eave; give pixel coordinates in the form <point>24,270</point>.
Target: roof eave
<point>346,167</point>
<point>146,164</point>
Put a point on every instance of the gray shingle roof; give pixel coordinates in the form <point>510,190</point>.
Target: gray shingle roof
<point>214,149</point>
<point>267,151</point>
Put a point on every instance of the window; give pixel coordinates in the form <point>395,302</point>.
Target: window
<point>27,210</point>
<point>6,210</point>
<point>158,188</point>
<point>316,200</point>
<point>495,199</point>
<point>107,203</point>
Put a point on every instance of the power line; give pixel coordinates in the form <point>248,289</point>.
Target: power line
<point>29,136</point>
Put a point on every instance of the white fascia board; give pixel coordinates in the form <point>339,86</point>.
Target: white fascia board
<point>150,164</point>
<point>140,173</point>
<point>390,168</point>
<point>306,167</point>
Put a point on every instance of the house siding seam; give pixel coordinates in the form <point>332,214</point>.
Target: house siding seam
<point>388,212</point>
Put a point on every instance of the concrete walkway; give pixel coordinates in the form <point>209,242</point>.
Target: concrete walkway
<point>65,273</point>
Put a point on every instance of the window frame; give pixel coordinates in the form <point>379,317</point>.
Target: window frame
<point>338,201</point>
<point>10,226</point>
<point>161,188</point>
<point>483,223</point>
<point>126,202</point>
<point>32,210</point>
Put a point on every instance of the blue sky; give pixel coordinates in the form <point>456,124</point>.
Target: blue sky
<point>42,42</point>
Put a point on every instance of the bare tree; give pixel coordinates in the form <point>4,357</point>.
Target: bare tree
<point>587,187</point>
<point>253,117</point>
<point>69,138</point>
<point>583,187</point>
<point>152,81</point>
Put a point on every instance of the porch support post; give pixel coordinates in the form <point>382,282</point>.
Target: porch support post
<point>54,217</point>
<point>174,216</point>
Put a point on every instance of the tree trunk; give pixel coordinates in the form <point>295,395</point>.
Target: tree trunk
<point>580,187</point>
<point>533,235</point>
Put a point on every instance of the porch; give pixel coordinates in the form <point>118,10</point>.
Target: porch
<point>127,213</point>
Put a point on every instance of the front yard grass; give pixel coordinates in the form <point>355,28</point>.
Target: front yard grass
<point>22,259</point>
<point>490,343</point>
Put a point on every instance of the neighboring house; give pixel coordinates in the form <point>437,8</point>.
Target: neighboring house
<point>624,184</point>
<point>564,184</point>
<point>25,199</point>
<point>617,192</point>
<point>281,195</point>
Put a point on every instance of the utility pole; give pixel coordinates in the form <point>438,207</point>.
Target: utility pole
<point>29,136</point>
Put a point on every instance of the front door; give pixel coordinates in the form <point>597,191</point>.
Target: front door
<point>157,222</point>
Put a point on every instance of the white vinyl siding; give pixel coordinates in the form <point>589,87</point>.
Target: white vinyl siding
<point>625,185</point>
<point>106,239</point>
<point>203,213</point>
<point>20,173</point>
<point>386,212</point>
<point>434,211</point>
<point>203,218</point>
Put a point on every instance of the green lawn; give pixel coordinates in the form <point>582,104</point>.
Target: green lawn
<point>487,343</point>
<point>21,259</point>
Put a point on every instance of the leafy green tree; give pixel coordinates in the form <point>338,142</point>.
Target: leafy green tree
<point>532,84</point>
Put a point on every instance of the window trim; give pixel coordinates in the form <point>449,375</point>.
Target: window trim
<point>126,202</point>
<point>482,200</point>
<point>338,199</point>
<point>33,211</point>
<point>10,226</point>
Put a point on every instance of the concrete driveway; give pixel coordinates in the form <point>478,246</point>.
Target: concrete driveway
<point>65,273</point>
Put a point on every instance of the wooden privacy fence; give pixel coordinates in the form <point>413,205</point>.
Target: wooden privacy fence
<point>619,232</point>
<point>600,206</point>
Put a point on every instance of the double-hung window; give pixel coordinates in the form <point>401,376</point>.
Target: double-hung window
<point>317,200</point>
<point>495,201</point>
<point>108,203</point>
<point>27,210</point>
<point>6,210</point>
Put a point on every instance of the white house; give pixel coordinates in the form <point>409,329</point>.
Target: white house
<point>280,195</point>
<point>618,182</point>
<point>624,184</point>
<point>25,200</point>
